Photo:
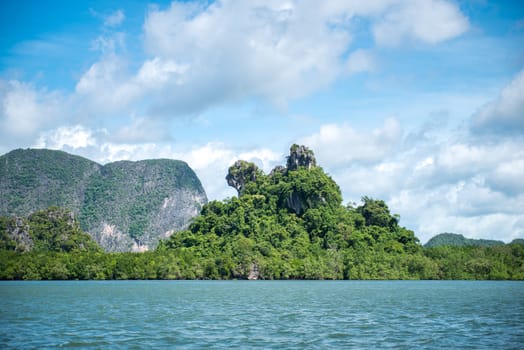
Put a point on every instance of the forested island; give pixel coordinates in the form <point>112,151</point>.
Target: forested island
<point>288,224</point>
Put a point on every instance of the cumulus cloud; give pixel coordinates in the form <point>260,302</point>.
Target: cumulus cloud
<point>74,137</point>
<point>233,49</point>
<point>199,55</point>
<point>456,184</point>
<point>504,115</point>
<point>106,89</point>
<point>435,211</point>
<point>432,198</point>
<point>279,50</point>
<point>25,110</point>
<point>428,21</point>
<point>156,72</point>
<point>507,175</point>
<point>109,43</point>
<point>354,145</point>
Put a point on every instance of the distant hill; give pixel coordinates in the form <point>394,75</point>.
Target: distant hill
<point>124,206</point>
<point>457,240</point>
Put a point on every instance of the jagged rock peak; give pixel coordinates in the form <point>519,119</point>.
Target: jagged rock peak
<point>300,156</point>
<point>241,173</point>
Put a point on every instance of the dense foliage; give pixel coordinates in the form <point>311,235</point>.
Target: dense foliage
<point>289,224</point>
<point>474,262</point>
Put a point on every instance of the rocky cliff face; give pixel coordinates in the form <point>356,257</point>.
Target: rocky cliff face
<point>300,156</point>
<point>124,206</point>
<point>240,173</point>
<point>14,233</point>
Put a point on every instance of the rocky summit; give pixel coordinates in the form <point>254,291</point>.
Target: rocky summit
<point>124,206</point>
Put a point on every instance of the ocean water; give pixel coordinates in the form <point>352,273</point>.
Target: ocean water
<point>262,314</point>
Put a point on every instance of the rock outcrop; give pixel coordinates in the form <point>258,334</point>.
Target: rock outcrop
<point>299,186</point>
<point>254,273</point>
<point>14,234</point>
<point>241,173</point>
<point>300,156</point>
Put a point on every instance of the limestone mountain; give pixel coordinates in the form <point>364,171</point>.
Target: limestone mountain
<point>124,206</point>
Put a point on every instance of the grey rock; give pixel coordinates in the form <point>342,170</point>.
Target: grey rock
<point>300,156</point>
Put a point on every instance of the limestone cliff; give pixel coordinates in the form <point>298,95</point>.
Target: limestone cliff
<point>124,206</point>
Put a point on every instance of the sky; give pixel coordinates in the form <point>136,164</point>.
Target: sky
<point>419,103</point>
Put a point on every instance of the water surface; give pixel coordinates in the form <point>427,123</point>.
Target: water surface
<point>262,314</point>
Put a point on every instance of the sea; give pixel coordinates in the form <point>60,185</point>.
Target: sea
<point>262,315</point>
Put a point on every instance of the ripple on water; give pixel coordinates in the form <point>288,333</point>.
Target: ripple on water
<point>278,315</point>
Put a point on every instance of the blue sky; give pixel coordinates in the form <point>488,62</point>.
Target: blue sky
<point>419,103</point>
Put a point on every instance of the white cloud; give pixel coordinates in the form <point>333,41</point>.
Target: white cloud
<point>281,51</point>
<point>25,110</point>
<point>156,72</point>
<point>507,176</point>
<point>275,50</point>
<point>352,145</point>
<point>21,109</point>
<point>505,114</point>
<point>74,137</point>
<point>106,88</point>
<point>113,19</point>
<point>202,55</point>
<point>428,21</point>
